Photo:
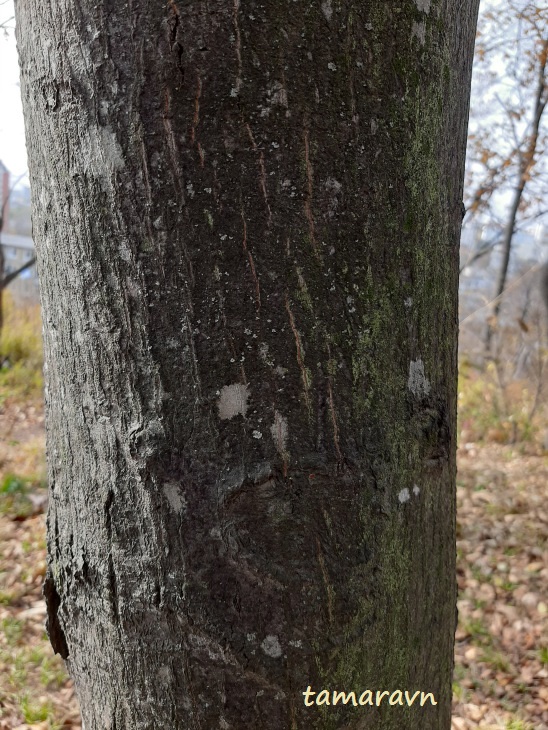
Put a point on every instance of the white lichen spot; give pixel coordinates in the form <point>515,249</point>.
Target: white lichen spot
<point>233,401</point>
<point>404,495</point>
<point>417,382</point>
<point>264,355</point>
<point>251,637</point>
<point>327,9</point>
<point>334,187</point>
<point>174,496</point>
<point>416,490</point>
<point>164,674</point>
<point>279,432</point>
<point>223,724</point>
<point>111,148</point>
<point>271,646</point>
<point>277,94</point>
<point>298,644</point>
<point>407,303</point>
<point>331,66</point>
<point>423,5</point>
<point>257,435</point>
<point>418,30</point>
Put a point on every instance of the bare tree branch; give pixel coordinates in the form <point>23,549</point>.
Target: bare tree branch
<point>8,278</point>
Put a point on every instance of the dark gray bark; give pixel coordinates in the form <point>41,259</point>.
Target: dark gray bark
<point>247,222</point>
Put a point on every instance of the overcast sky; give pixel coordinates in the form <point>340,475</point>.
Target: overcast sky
<point>12,133</point>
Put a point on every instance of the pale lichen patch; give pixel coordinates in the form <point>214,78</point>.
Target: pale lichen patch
<point>404,495</point>
<point>264,354</point>
<point>333,187</point>
<point>416,490</point>
<point>174,496</point>
<point>279,432</point>
<point>418,31</point>
<point>233,401</point>
<point>164,674</point>
<point>327,9</point>
<point>101,154</point>
<point>423,5</point>
<point>111,148</point>
<point>277,94</point>
<point>417,382</point>
<point>271,647</point>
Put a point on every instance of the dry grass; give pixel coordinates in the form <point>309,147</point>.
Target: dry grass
<point>20,353</point>
<point>499,410</point>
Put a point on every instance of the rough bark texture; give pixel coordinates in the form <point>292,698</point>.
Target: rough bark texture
<point>247,221</point>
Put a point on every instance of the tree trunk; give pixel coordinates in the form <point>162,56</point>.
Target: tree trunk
<point>247,222</point>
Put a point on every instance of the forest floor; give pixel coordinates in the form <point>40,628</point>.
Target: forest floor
<point>501,654</point>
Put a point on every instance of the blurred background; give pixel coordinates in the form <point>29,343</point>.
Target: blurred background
<point>501,654</point>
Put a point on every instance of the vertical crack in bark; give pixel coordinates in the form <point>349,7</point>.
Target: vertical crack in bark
<point>174,43</point>
<point>53,627</point>
<point>196,117</point>
<point>262,171</point>
<point>308,200</point>
<point>325,576</point>
<point>251,263</point>
<point>300,355</point>
<point>321,407</point>
<point>238,45</point>
<point>113,588</point>
<point>172,145</point>
<point>334,421</point>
